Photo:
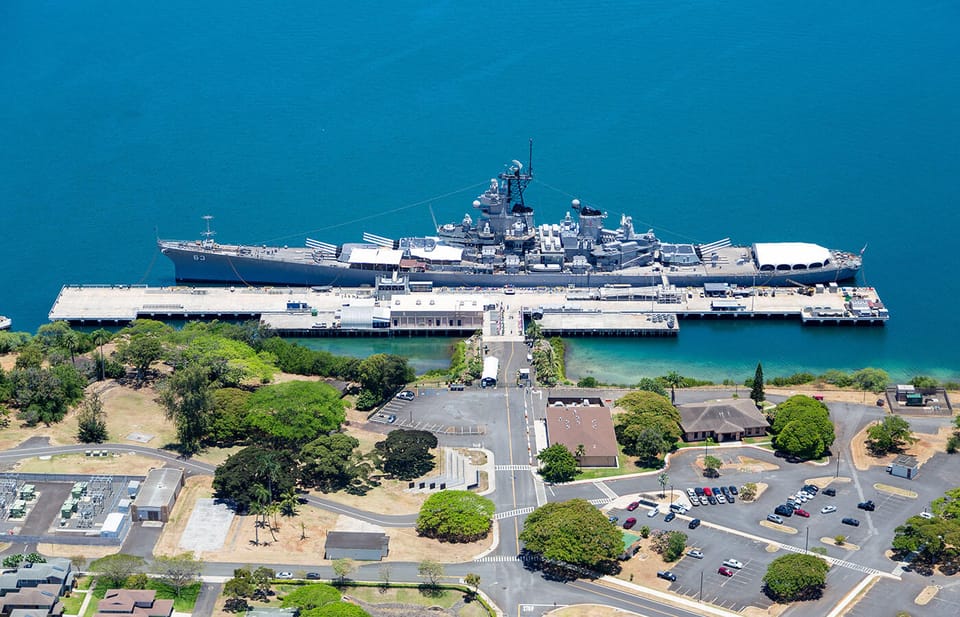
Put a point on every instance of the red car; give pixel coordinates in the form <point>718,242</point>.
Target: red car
<point>724,571</point>
<point>630,522</point>
<point>707,491</point>
<point>802,513</point>
<point>633,506</point>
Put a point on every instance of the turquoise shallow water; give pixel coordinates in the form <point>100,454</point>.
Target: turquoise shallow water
<point>758,120</point>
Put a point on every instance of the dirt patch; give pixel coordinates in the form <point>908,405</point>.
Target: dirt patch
<point>928,593</point>
<point>588,610</point>
<point>895,490</point>
<point>772,548</point>
<point>831,394</point>
<point>924,448</point>
<point>71,550</point>
<point>776,527</point>
<point>825,481</point>
<point>772,611</point>
<point>847,546</point>
<point>752,465</point>
<point>7,361</point>
<point>115,464</point>
<point>299,539</point>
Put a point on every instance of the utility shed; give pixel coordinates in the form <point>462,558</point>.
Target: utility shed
<point>358,545</point>
<point>157,495</point>
<point>113,525</point>
<point>904,466</point>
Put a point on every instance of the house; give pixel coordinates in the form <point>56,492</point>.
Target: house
<point>729,419</point>
<point>137,602</point>
<point>56,571</point>
<point>583,421</point>
<point>42,599</point>
<point>157,495</point>
<point>362,546</point>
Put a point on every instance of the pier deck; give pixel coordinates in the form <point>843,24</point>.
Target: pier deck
<point>499,313</point>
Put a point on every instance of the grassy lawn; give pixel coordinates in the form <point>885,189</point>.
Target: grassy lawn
<point>405,595</point>
<point>185,603</point>
<point>71,604</point>
<point>626,466</point>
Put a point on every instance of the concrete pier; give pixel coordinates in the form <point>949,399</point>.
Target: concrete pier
<point>499,313</point>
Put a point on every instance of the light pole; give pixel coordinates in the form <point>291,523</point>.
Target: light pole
<point>837,474</point>
<point>700,596</point>
<point>671,494</point>
<point>806,542</point>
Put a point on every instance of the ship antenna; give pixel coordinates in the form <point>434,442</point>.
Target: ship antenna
<point>208,234</point>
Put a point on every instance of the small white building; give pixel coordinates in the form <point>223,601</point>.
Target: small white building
<point>113,525</point>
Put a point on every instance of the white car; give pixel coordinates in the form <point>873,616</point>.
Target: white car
<point>927,515</point>
<point>696,554</point>
<point>733,563</point>
<point>691,493</point>
<point>801,497</point>
<point>720,498</point>
<point>284,574</point>
<point>828,509</point>
<point>653,513</point>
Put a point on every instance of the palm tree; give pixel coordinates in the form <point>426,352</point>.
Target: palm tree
<point>262,496</point>
<point>579,453</point>
<point>289,502</point>
<point>100,337</point>
<point>663,479</point>
<point>675,380</point>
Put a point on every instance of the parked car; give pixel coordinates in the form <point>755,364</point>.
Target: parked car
<point>802,512</point>
<point>851,521</point>
<point>707,491</point>
<point>733,563</point>
<point>725,490</point>
<point>773,518</point>
<point>693,524</point>
<point>653,512</point>
<point>695,553</point>
<point>926,515</point>
<point>724,571</point>
<point>669,517</point>
<point>733,490</point>
<point>406,395</point>
<point>313,576</point>
<point>783,510</point>
<point>691,493</point>
<point>284,574</point>
<point>633,506</point>
<point>868,505</point>
<point>698,491</point>
<point>731,499</point>
<point>828,509</point>
<point>712,500</point>
<point>695,501</point>
<point>832,492</point>
<point>667,575</point>
<point>811,488</point>
<point>613,519</point>
<point>629,523</point>
<point>678,508</point>
<point>716,491</point>
<point>720,498</point>
<point>704,500</point>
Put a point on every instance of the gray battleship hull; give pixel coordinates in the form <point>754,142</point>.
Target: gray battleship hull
<point>195,265</point>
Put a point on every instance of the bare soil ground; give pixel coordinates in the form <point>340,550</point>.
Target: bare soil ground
<point>752,465</point>
<point>118,464</point>
<point>588,610</point>
<point>846,545</point>
<point>761,486</point>
<point>71,550</point>
<point>928,593</point>
<point>926,446</point>
<point>288,547</point>
<point>825,481</point>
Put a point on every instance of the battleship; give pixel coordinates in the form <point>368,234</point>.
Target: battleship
<point>505,248</point>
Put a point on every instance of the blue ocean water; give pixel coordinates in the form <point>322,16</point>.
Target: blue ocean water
<point>758,120</point>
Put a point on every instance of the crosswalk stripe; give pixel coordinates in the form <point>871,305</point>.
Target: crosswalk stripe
<point>496,559</point>
<point>499,516</point>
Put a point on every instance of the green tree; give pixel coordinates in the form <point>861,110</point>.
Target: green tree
<point>430,570</point>
<point>455,516</point>
<point>383,374</point>
<point>676,544</point>
<point>712,465</point>
<point>795,577</point>
<point>587,382</point>
<point>239,586</point>
<point>748,492</point>
<point>756,390</point>
<point>328,462</point>
<point>291,414</point>
<point>663,480</point>
<point>178,571</point>
<point>113,570</point>
<point>473,581</point>
<point>342,568</point>
<point>100,338</point>
<point>674,380</point>
<point>336,609</point>
<point>262,579</point>
<point>871,379</point>
<point>227,418</point>
<point>579,453</point>
<point>891,434</point>
<point>312,596</point>
<point>647,444</point>
<point>406,454</point>
<point>801,439</point>
<point>142,346</point>
<point>255,468</point>
<point>186,399</point>
<point>91,420</point>
<point>572,532</point>
<point>558,464</point>
<point>137,581</point>
<point>649,384</point>
<point>812,431</point>
<point>923,382</point>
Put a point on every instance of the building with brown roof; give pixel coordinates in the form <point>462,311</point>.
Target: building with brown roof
<point>586,421</point>
<point>43,598</point>
<point>728,419</point>
<point>137,602</point>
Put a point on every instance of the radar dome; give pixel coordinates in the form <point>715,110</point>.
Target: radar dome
<point>575,203</point>
<point>476,203</point>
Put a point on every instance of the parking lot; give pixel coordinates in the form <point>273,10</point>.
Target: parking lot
<point>439,410</point>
